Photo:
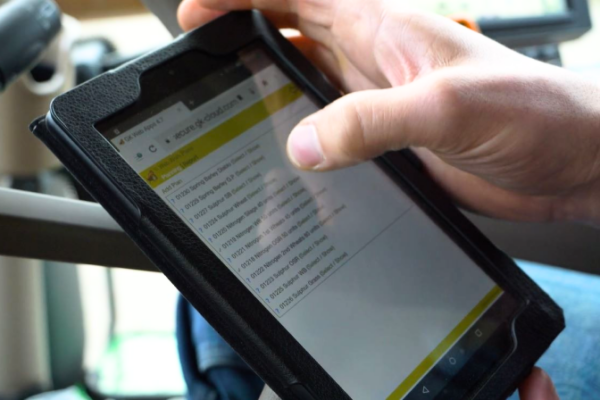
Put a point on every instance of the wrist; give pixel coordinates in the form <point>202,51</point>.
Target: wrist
<point>583,206</point>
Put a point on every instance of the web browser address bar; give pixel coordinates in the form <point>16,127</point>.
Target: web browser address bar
<point>210,138</point>
<point>198,124</point>
<point>209,115</point>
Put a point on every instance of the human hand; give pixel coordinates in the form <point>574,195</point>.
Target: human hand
<point>538,386</point>
<point>506,136</point>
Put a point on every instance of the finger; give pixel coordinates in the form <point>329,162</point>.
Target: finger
<point>268,394</point>
<point>313,20</point>
<point>363,125</point>
<point>271,5</point>
<point>315,12</point>
<point>538,386</point>
<point>191,15</point>
<point>278,10</point>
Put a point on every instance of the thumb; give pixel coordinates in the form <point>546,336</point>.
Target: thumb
<point>366,124</point>
<point>538,386</point>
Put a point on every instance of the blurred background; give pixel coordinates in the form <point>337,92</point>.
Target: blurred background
<point>104,333</point>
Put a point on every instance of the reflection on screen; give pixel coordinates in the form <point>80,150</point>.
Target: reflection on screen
<point>494,9</point>
<point>347,263</point>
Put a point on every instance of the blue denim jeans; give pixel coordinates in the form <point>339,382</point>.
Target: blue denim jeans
<point>573,360</point>
<point>213,371</point>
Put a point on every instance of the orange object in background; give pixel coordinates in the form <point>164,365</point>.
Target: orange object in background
<point>100,8</point>
<point>466,21</point>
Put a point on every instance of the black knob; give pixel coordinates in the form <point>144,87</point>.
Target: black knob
<point>26,29</point>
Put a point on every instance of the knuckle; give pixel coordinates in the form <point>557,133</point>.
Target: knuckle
<point>449,101</point>
<point>351,128</point>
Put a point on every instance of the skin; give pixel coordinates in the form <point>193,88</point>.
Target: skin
<point>505,135</point>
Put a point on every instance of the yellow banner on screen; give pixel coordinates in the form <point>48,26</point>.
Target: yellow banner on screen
<point>214,139</point>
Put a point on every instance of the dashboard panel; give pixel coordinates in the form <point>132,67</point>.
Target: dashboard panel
<point>496,9</point>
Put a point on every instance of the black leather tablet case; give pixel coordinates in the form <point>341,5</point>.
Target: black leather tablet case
<point>197,272</point>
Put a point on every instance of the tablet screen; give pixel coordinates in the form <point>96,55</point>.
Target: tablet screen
<point>364,280</point>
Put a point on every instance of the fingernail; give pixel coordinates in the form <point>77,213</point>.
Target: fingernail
<point>304,148</point>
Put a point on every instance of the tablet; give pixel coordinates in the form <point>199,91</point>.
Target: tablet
<point>363,283</point>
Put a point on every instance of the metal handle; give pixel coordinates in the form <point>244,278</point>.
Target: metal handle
<point>52,228</point>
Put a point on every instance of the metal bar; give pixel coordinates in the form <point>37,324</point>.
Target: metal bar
<point>52,228</point>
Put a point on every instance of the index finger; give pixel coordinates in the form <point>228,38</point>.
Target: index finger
<point>285,6</point>
<point>192,15</point>
<point>317,12</point>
